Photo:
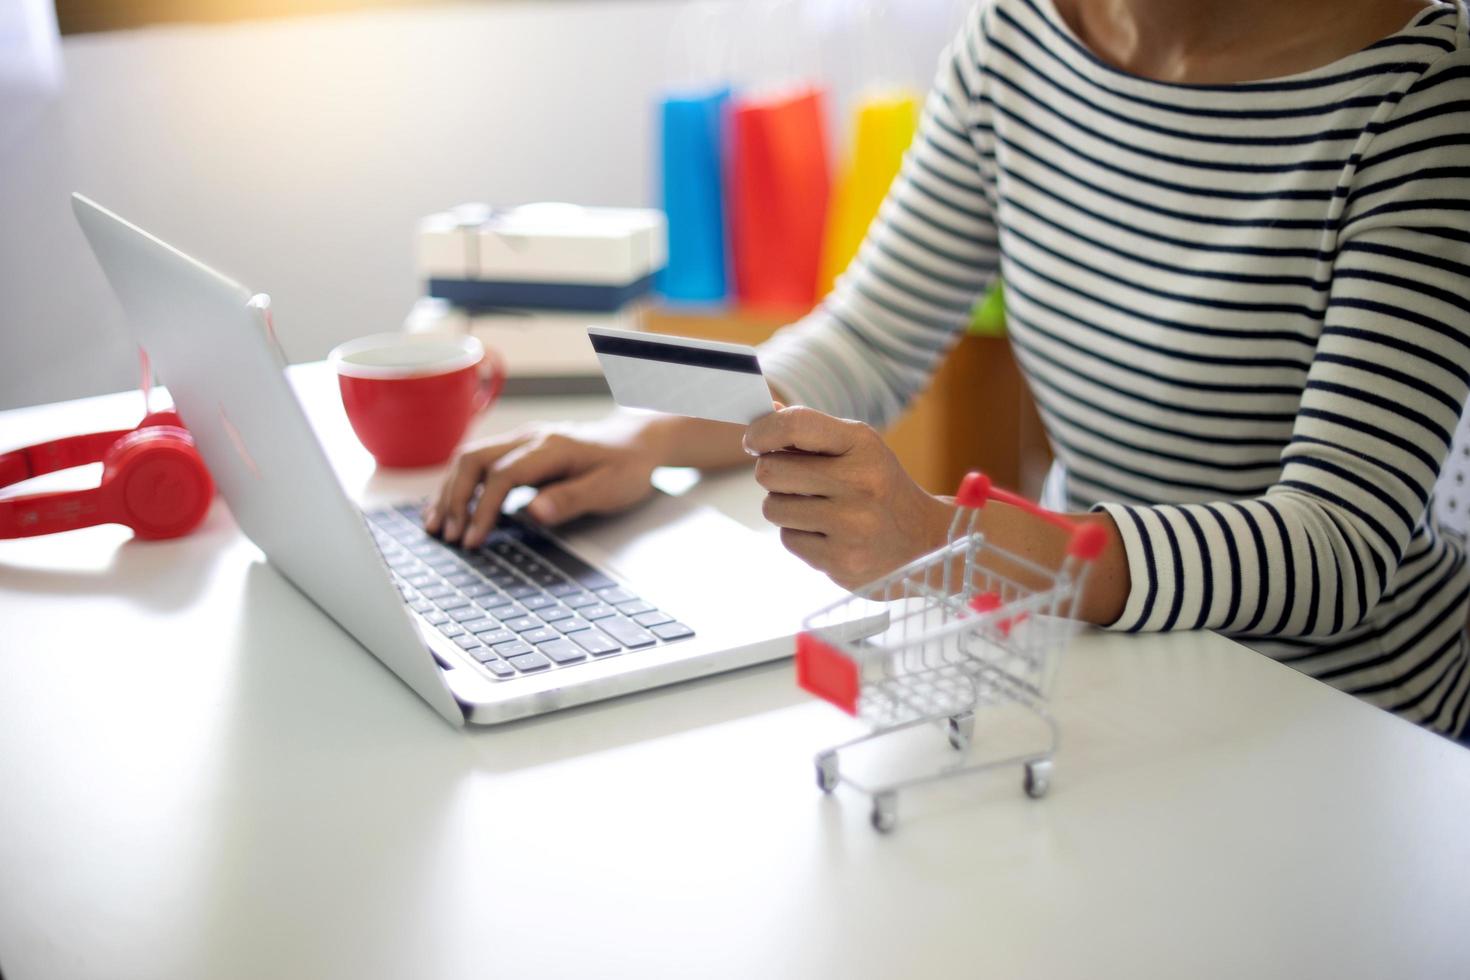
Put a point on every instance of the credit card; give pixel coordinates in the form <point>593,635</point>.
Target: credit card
<point>703,379</point>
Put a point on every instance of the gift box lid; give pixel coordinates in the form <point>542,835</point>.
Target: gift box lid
<point>543,243</point>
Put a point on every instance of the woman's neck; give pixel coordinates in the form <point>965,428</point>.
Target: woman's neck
<point>1206,42</point>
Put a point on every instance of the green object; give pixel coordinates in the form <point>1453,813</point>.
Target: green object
<point>988,318</point>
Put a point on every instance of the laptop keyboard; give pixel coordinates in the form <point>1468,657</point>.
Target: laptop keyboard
<point>520,603</point>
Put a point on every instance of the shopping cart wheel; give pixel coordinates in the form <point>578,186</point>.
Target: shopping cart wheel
<point>1038,778</point>
<point>827,771</point>
<point>885,812</point>
<point>961,730</point>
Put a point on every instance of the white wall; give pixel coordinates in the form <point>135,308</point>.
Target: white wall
<point>295,155</point>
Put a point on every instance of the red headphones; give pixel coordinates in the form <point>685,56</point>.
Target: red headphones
<point>153,481</point>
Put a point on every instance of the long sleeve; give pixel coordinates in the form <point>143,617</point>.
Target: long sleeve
<point>874,343</point>
<point>1328,541</point>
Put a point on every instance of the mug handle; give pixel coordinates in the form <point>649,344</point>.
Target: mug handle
<point>490,388</point>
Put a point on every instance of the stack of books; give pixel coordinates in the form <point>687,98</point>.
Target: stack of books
<point>528,281</point>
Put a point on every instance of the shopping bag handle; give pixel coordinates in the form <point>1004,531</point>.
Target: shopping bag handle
<point>1088,540</point>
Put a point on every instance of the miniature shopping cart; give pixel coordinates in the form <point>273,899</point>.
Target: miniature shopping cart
<point>969,626</point>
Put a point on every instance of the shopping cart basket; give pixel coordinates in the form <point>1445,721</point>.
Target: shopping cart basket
<point>970,625</point>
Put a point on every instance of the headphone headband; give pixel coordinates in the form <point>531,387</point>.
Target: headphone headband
<point>58,454</point>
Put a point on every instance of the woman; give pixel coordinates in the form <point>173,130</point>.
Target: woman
<point>1235,236</point>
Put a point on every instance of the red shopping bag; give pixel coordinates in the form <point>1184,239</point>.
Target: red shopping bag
<point>777,198</point>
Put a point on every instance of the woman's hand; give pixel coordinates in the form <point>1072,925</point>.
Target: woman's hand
<point>592,468</point>
<point>844,503</point>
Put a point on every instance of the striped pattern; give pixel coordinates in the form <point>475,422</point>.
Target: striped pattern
<point>1244,311</point>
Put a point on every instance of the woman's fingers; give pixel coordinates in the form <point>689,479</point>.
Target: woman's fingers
<point>842,499</point>
<point>809,547</point>
<point>597,491</point>
<point>798,473</point>
<point>798,513</point>
<point>529,465</point>
<point>448,512</point>
<point>802,429</point>
<point>448,517</point>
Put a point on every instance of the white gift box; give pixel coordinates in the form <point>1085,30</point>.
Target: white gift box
<point>447,243</point>
<point>543,350</point>
<point>542,255</point>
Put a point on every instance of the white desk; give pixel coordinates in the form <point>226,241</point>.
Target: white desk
<point>201,776</point>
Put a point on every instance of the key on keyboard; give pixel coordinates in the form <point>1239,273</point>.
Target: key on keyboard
<point>595,642</point>
<point>563,651</point>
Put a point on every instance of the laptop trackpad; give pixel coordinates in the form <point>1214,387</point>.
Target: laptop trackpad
<point>694,561</point>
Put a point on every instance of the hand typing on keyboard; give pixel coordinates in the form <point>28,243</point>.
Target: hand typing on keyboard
<point>590,468</point>
<point>586,469</point>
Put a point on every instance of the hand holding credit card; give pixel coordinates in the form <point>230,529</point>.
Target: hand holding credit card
<point>703,379</point>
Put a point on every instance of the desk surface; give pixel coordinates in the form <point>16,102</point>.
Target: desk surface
<point>202,776</point>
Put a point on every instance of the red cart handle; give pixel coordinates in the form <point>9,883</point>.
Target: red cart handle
<point>1088,540</point>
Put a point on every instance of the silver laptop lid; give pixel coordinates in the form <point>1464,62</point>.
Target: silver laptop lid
<point>209,342</point>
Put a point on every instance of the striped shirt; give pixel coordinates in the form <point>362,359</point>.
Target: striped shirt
<point>1244,312</point>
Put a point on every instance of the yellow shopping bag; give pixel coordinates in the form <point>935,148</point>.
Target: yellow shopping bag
<point>882,131</point>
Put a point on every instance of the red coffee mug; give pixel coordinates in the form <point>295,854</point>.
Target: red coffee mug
<point>410,397</point>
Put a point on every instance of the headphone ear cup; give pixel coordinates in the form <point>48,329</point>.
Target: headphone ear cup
<point>156,483</point>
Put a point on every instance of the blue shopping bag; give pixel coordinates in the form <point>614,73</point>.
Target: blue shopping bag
<point>692,130</point>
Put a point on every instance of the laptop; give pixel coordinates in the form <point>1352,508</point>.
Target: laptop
<point>532,621</point>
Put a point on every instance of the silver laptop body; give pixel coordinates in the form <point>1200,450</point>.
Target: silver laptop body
<point>208,337</point>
